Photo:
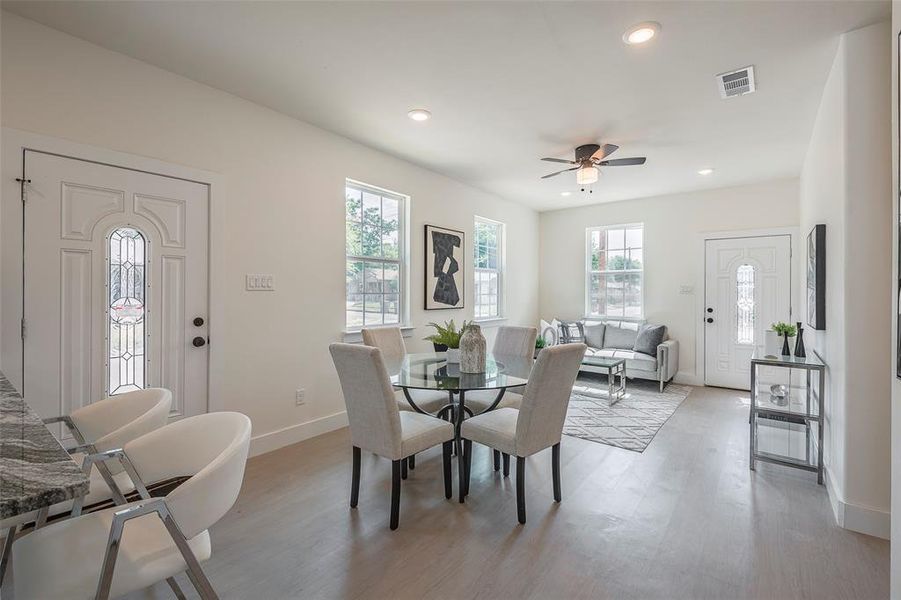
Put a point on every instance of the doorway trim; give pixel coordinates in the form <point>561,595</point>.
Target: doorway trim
<point>793,232</point>
<point>13,144</point>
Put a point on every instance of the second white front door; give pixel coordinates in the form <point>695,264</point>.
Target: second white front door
<point>748,287</point>
<point>116,285</point>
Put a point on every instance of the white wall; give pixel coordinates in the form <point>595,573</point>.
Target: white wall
<point>845,183</point>
<point>281,211</point>
<point>673,252</point>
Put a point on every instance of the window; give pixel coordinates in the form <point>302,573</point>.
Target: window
<point>615,273</point>
<point>489,275</point>
<point>374,249</point>
<point>744,305</point>
<point>125,323</point>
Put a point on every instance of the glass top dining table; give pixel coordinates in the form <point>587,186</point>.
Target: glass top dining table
<point>431,371</point>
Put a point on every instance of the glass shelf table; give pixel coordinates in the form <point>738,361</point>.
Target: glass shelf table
<point>800,409</point>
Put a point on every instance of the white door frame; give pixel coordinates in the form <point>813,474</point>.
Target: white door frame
<point>701,282</point>
<point>13,143</point>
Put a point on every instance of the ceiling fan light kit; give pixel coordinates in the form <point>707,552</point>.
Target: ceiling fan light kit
<point>586,175</point>
<point>588,157</point>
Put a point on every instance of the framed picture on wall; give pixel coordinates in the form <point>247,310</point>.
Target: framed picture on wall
<point>445,262</point>
<point>816,277</point>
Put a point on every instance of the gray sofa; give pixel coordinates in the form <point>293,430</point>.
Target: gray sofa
<point>616,339</point>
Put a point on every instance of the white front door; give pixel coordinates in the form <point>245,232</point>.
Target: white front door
<point>748,287</point>
<point>116,285</point>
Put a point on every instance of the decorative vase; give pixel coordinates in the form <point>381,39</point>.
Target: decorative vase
<point>472,350</point>
<point>799,343</point>
<point>786,349</point>
<point>771,343</point>
<point>439,347</point>
<point>453,355</point>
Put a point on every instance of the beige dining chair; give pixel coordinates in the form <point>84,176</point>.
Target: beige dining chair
<point>536,425</point>
<point>510,341</point>
<point>378,426</point>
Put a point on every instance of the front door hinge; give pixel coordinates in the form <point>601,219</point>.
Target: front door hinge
<point>24,183</point>
<point>24,330</point>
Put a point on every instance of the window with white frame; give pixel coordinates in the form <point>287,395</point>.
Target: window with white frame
<point>615,271</point>
<point>374,257</point>
<point>489,268</point>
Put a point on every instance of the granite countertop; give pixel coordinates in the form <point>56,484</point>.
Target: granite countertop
<point>35,470</point>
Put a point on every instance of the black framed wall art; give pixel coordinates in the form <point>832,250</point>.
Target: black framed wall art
<point>816,277</point>
<point>445,262</point>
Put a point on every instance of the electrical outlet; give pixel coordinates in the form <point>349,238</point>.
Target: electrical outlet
<point>300,396</point>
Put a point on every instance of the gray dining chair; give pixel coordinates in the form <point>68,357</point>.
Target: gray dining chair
<point>510,341</point>
<point>378,426</point>
<point>536,425</point>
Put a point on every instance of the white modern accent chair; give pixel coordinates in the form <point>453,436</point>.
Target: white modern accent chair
<point>378,426</point>
<point>510,341</point>
<point>126,548</point>
<point>537,425</point>
<point>98,427</point>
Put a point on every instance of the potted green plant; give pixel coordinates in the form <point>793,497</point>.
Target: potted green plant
<point>447,339</point>
<point>540,344</point>
<point>787,331</point>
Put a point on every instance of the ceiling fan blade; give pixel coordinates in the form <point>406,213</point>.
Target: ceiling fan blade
<point>558,172</point>
<point>605,151</point>
<point>623,162</point>
<point>560,160</point>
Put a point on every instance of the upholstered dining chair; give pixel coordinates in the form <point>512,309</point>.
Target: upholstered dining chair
<point>536,425</point>
<point>96,428</point>
<point>378,426</point>
<point>510,341</point>
<point>126,548</point>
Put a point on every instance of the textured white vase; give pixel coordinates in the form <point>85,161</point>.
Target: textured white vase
<point>472,350</point>
<point>453,355</point>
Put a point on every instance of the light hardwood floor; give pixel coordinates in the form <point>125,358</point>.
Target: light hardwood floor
<point>684,519</point>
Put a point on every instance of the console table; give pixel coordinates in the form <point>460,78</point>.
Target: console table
<point>803,405</point>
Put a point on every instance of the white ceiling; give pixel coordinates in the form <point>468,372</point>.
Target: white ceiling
<point>507,82</point>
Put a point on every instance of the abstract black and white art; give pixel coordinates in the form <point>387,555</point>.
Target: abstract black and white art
<point>444,268</point>
<point>816,277</point>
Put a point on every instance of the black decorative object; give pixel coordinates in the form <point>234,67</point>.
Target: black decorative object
<point>444,268</point>
<point>786,349</point>
<point>799,342</point>
<point>816,277</point>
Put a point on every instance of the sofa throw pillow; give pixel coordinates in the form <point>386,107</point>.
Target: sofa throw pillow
<point>549,331</point>
<point>571,332</point>
<point>619,337</point>
<point>594,334</point>
<point>649,337</point>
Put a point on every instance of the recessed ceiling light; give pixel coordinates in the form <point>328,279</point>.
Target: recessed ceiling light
<point>565,193</point>
<point>419,114</point>
<point>641,33</point>
<point>706,171</point>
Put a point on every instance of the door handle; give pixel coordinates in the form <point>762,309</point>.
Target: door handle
<point>198,342</point>
<point>710,319</point>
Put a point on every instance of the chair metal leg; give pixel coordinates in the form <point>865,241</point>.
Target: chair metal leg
<point>403,468</point>
<point>395,492</point>
<point>555,467</point>
<point>506,465</point>
<point>497,459</point>
<point>521,488</point>
<point>411,461</point>
<point>446,458</point>
<point>7,550</point>
<point>355,479</point>
<point>173,585</point>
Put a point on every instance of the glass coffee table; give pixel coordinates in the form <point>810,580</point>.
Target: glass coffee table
<point>615,369</point>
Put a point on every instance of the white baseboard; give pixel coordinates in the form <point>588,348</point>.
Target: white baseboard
<point>855,517</point>
<point>686,378</point>
<point>273,440</point>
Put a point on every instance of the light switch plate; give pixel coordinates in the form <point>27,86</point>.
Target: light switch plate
<point>259,283</point>
<point>687,290</point>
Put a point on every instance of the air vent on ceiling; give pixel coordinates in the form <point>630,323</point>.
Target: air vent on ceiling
<point>736,83</point>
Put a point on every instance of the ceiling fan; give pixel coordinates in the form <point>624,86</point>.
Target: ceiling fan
<point>588,158</point>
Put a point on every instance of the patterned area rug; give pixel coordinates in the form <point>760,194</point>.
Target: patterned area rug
<point>632,422</point>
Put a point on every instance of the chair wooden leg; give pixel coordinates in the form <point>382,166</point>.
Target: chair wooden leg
<point>403,468</point>
<point>466,464</point>
<point>355,479</point>
<point>411,461</point>
<point>521,488</point>
<point>173,585</point>
<point>7,550</point>
<point>461,471</point>
<point>497,459</point>
<point>446,457</point>
<point>555,467</point>
<point>506,465</point>
<point>395,492</point>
